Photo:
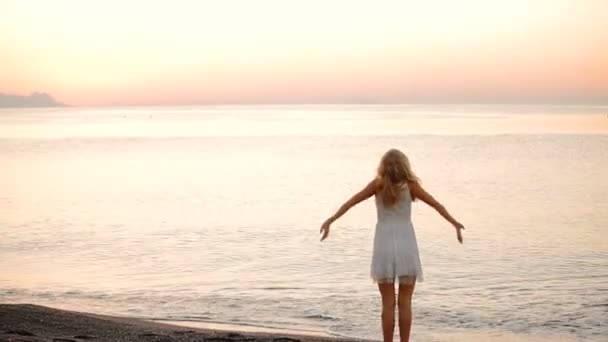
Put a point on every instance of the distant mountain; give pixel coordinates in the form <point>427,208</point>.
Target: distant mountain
<point>34,100</point>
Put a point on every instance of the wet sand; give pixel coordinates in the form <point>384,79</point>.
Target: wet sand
<point>33,323</point>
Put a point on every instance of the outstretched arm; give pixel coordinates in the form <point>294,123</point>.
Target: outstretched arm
<point>418,192</point>
<point>359,197</point>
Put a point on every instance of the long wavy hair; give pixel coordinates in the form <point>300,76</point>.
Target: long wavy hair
<point>393,172</point>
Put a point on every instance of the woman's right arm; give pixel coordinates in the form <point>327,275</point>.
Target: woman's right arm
<point>418,192</point>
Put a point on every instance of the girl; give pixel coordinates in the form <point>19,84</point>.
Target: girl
<point>395,256</point>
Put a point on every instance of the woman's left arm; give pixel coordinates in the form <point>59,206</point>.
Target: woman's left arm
<point>359,197</point>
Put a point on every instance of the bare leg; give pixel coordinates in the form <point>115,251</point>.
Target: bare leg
<point>406,289</point>
<point>388,310</point>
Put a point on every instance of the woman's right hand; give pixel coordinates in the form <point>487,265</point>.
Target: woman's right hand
<point>459,228</point>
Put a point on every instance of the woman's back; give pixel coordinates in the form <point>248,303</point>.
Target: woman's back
<point>399,212</point>
<point>395,256</point>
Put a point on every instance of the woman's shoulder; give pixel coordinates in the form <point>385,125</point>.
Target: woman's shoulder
<point>376,183</point>
<point>414,189</point>
<point>412,184</point>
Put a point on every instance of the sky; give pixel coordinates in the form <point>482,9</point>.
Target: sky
<point>116,52</point>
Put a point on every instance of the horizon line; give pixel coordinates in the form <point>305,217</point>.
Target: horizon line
<point>277,104</point>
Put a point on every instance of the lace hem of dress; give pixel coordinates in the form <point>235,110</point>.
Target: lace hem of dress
<point>407,280</point>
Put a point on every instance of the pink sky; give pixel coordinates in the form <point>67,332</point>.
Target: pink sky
<point>275,51</point>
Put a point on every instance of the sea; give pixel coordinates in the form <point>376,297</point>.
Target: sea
<point>210,215</point>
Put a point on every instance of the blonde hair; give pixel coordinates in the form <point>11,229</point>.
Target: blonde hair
<point>393,172</point>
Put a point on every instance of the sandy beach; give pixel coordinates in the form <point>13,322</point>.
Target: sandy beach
<point>33,323</point>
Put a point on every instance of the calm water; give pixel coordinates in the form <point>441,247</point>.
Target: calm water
<point>212,215</point>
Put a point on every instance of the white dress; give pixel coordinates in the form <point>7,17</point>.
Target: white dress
<point>395,256</point>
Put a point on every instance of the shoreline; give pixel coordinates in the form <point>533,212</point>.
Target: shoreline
<point>35,323</point>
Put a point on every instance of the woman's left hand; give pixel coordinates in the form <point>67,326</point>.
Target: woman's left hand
<point>325,230</point>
